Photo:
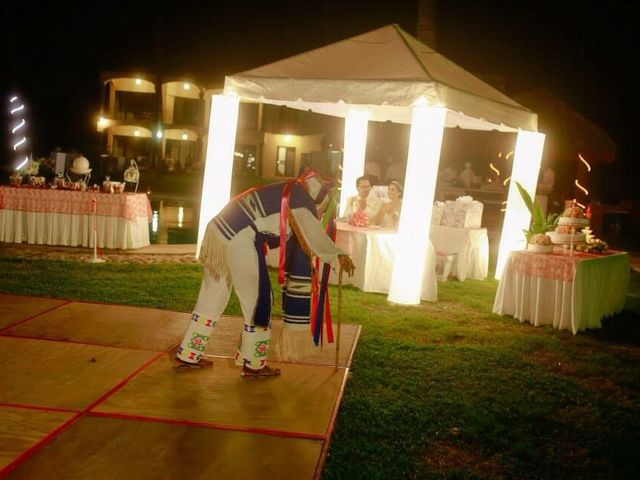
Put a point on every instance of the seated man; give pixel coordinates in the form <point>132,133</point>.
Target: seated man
<point>370,204</point>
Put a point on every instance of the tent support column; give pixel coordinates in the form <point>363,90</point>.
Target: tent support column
<point>355,146</point>
<point>425,142</point>
<point>216,182</point>
<point>526,167</point>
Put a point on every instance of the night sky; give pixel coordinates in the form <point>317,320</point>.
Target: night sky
<point>581,51</point>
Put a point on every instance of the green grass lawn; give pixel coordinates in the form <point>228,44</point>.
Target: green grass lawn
<point>439,390</point>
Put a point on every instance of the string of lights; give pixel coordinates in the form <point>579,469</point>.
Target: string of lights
<point>18,126</point>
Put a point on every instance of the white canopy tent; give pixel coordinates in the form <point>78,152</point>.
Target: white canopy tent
<point>387,74</point>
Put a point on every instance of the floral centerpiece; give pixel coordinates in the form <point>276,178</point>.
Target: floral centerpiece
<point>359,219</point>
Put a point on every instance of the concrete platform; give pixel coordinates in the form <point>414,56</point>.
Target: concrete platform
<point>89,391</point>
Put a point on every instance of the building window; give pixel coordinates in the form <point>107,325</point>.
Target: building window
<point>181,154</point>
<point>285,161</point>
<point>133,147</point>
<point>186,111</point>
<point>134,106</point>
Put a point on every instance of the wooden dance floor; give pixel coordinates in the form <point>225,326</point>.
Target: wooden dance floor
<point>88,391</point>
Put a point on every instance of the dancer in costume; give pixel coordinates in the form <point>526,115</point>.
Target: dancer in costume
<point>233,255</point>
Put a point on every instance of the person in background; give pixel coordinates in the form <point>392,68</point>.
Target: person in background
<point>395,170</point>
<point>364,201</point>
<point>372,171</point>
<point>389,212</point>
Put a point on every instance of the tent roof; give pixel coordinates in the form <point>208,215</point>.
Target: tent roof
<point>383,71</point>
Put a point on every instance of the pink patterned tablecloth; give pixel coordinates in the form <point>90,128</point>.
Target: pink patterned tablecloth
<point>548,265</point>
<point>126,205</point>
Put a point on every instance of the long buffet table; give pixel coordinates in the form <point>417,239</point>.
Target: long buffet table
<point>572,292</point>
<point>64,217</point>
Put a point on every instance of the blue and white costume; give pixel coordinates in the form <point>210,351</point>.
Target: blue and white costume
<point>232,255</point>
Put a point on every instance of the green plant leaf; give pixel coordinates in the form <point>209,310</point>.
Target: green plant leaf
<point>526,197</point>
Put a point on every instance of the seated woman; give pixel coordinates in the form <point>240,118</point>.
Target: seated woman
<point>389,212</point>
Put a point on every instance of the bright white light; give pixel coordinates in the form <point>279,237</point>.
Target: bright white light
<point>355,144</point>
<point>159,134</point>
<point>17,109</point>
<point>186,86</point>
<point>185,136</point>
<point>494,169</point>
<point>425,141</point>
<point>526,166</point>
<point>13,99</point>
<point>138,81</point>
<point>20,142</point>
<point>216,184</point>
<point>136,133</point>
<point>24,162</point>
<point>180,216</point>
<point>19,126</point>
<point>287,138</point>
<point>154,222</point>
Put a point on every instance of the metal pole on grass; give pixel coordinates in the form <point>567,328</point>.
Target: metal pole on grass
<point>338,319</point>
<point>94,208</point>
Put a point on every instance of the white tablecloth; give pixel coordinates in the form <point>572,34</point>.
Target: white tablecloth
<point>372,253</point>
<point>567,292</point>
<point>471,246</point>
<point>54,217</point>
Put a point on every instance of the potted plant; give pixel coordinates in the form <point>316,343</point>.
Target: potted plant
<point>539,223</point>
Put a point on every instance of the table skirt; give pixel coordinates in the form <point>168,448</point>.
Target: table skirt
<point>471,246</point>
<point>598,290</point>
<point>45,228</point>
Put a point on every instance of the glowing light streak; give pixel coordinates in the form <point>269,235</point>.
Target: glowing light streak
<point>494,169</point>
<point>509,155</point>
<point>24,162</point>
<point>586,192</point>
<point>19,126</point>
<point>506,180</point>
<point>17,109</point>
<point>13,99</point>
<point>585,162</point>
<point>24,139</point>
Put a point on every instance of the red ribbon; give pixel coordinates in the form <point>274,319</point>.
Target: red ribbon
<point>284,212</point>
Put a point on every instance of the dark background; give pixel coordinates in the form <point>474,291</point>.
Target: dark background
<point>584,52</point>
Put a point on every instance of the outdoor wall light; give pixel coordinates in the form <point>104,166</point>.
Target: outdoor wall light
<point>136,133</point>
<point>185,136</point>
<point>138,81</point>
<point>159,134</point>
<point>186,86</point>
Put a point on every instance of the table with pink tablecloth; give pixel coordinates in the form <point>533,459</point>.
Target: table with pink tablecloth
<point>572,292</point>
<point>65,217</point>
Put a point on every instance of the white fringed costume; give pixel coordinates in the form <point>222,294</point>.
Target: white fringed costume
<point>231,256</point>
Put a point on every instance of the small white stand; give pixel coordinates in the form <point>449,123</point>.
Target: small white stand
<point>95,258</point>
<point>571,245</point>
